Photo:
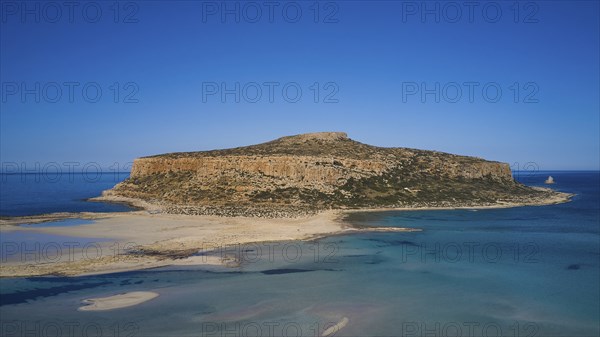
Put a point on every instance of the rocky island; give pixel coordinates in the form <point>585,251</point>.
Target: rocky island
<point>304,174</point>
<point>293,188</point>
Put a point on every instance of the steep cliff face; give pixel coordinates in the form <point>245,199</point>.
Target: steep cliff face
<point>317,171</point>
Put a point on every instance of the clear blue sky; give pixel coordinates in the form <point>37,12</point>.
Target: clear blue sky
<point>373,52</point>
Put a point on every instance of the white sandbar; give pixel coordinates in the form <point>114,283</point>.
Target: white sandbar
<point>117,301</point>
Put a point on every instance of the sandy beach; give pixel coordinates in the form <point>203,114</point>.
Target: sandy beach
<point>150,239</point>
<point>140,240</point>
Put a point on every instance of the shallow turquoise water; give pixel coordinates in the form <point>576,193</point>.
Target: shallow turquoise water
<point>528,271</point>
<point>32,246</point>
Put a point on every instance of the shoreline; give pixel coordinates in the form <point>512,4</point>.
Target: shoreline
<point>143,207</point>
<point>150,239</point>
<point>559,198</point>
<point>556,197</point>
<point>145,240</point>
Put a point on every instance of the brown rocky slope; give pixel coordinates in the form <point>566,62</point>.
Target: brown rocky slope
<point>306,173</point>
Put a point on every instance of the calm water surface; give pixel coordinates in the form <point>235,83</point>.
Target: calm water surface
<point>527,271</point>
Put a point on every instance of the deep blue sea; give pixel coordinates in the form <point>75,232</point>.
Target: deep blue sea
<point>39,193</point>
<point>526,271</point>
